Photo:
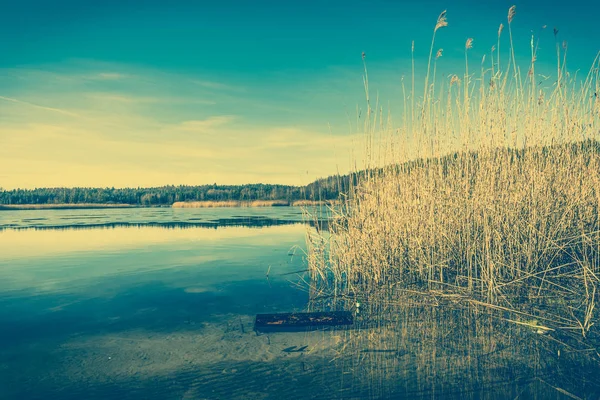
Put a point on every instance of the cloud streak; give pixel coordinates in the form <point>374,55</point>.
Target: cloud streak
<point>110,76</point>
<point>151,130</point>
<point>29,104</point>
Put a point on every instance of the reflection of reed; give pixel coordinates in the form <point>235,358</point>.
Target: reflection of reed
<point>416,338</point>
<point>416,347</point>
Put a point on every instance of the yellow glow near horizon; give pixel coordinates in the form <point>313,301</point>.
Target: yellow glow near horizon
<point>27,243</point>
<point>97,138</point>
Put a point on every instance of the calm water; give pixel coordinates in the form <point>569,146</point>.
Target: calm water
<point>165,217</point>
<point>159,304</point>
<point>110,303</point>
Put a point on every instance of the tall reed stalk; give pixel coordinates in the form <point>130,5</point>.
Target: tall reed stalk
<point>497,208</point>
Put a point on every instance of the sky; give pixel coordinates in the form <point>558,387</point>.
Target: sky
<point>149,93</point>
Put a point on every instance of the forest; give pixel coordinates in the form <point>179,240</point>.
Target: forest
<point>322,189</point>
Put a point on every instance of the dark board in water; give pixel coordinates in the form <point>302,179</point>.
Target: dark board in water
<point>293,322</point>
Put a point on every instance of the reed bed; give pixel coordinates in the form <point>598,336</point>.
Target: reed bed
<point>485,198</point>
<point>253,203</point>
<point>230,203</point>
<point>521,232</point>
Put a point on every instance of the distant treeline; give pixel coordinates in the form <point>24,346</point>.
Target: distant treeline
<point>322,189</point>
<point>328,188</point>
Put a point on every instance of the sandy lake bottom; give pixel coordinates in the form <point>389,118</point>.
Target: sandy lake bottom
<point>150,312</point>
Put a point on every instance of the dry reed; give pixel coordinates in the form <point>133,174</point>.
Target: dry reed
<point>230,203</point>
<point>491,204</point>
<point>253,203</point>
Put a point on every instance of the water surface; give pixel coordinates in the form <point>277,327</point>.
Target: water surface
<point>104,312</point>
<point>159,304</point>
<point>154,216</point>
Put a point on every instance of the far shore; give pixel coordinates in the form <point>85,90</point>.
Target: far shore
<point>255,203</point>
<point>179,204</point>
<point>63,206</point>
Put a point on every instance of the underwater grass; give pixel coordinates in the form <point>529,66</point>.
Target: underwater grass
<point>485,198</point>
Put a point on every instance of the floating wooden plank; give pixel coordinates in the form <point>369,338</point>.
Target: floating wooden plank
<point>293,322</point>
<point>295,349</point>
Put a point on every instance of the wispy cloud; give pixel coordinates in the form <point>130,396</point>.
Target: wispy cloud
<point>123,98</point>
<point>110,76</point>
<point>214,85</point>
<point>203,126</point>
<point>146,128</point>
<point>29,104</point>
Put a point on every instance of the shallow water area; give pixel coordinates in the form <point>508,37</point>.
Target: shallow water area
<point>151,303</point>
<point>110,311</point>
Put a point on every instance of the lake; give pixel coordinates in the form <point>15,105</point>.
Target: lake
<point>159,303</point>
<point>109,303</point>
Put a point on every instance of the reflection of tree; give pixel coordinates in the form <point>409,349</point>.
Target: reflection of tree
<point>250,222</point>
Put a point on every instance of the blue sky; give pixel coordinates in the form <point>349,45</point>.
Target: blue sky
<point>132,93</point>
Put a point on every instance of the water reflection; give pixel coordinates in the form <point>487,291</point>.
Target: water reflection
<point>407,344</point>
<point>144,312</point>
<point>107,313</point>
<point>162,217</point>
<point>28,243</point>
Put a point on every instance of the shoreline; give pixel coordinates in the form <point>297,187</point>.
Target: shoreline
<point>62,206</point>
<point>252,203</point>
<point>179,204</point>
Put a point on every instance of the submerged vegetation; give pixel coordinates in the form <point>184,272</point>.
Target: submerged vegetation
<point>489,239</point>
